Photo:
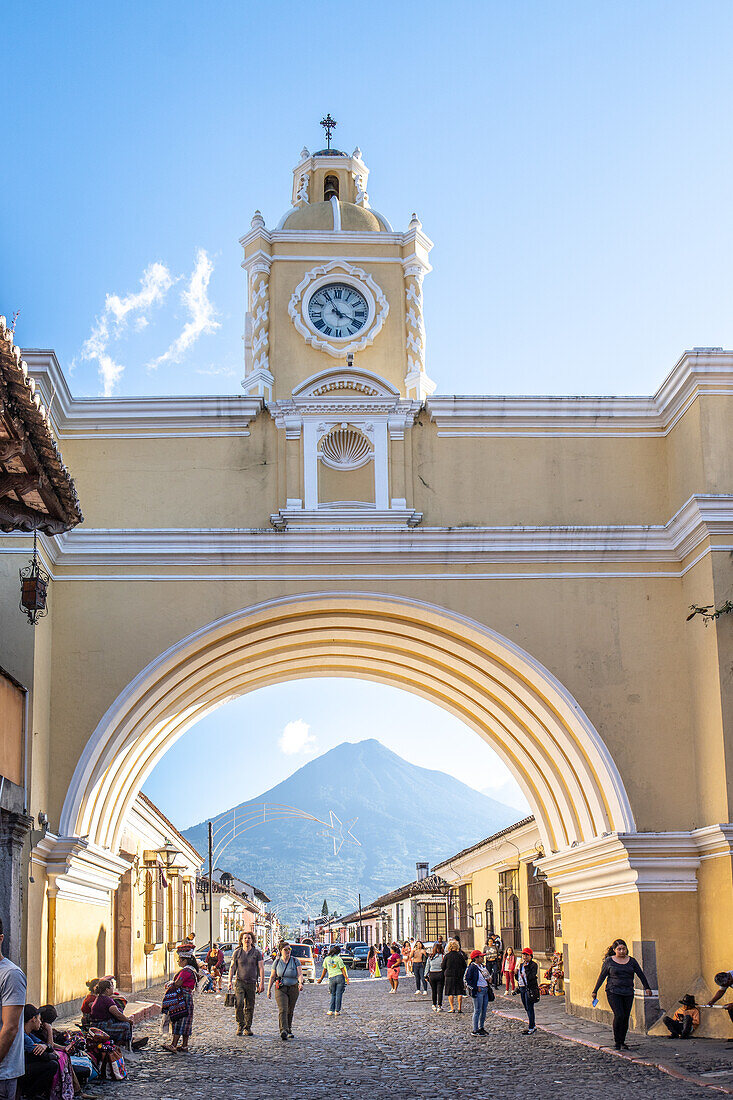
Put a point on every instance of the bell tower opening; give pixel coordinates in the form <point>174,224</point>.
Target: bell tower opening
<point>330,188</point>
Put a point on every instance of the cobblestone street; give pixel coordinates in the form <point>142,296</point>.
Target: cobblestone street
<point>392,1046</point>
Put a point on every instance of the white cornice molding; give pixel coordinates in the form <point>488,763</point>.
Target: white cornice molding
<point>361,535</point>
<point>341,237</point>
<point>696,374</point>
<point>137,417</point>
<point>77,870</point>
<point>623,863</point>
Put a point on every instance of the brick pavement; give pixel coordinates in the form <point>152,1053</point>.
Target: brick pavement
<point>394,1045</point>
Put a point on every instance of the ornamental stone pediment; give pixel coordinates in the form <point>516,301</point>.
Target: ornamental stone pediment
<point>337,383</point>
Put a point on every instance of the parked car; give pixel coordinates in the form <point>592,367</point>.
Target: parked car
<point>359,953</point>
<point>347,951</point>
<point>303,952</point>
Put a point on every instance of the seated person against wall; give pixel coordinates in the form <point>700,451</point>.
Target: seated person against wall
<point>66,1045</point>
<point>41,1064</point>
<point>108,1016</point>
<point>724,981</point>
<point>86,1004</point>
<point>685,1020</point>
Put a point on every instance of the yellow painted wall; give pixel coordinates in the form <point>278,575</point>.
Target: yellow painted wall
<point>84,947</point>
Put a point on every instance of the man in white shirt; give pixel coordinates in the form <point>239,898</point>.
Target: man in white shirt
<point>12,1002</point>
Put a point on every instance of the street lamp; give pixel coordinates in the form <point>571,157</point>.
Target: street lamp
<point>168,853</point>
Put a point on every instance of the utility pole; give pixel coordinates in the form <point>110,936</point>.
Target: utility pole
<point>211,885</point>
<point>361,930</point>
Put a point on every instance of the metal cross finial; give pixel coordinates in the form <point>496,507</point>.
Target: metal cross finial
<point>328,125</point>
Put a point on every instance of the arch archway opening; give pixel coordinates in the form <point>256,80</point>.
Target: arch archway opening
<point>509,699</point>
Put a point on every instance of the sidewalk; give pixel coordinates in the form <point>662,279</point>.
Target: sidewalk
<point>699,1061</point>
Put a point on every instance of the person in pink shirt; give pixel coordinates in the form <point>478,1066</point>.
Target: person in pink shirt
<point>508,967</point>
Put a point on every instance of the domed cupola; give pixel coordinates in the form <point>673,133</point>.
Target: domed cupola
<point>329,193</point>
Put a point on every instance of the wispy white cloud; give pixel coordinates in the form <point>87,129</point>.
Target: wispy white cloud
<point>296,738</point>
<point>118,312</point>
<point>226,372</point>
<point>202,321</point>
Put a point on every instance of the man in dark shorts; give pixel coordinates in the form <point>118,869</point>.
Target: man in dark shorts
<point>248,966</point>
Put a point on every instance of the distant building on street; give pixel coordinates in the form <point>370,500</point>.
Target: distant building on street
<point>417,910</point>
<point>496,887</point>
<point>238,907</point>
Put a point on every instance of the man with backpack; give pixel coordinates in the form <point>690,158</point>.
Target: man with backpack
<point>249,967</point>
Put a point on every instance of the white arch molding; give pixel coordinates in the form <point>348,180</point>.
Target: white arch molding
<point>513,702</point>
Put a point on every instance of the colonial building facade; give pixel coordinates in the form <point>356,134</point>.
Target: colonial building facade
<point>525,562</point>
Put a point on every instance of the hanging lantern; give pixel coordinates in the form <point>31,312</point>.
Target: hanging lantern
<point>34,587</point>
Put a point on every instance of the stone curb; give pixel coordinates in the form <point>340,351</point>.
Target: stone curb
<point>620,1054</point>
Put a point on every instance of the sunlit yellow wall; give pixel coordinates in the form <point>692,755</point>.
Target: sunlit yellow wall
<point>84,947</point>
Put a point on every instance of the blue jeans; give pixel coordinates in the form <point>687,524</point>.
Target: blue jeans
<point>528,1004</point>
<point>418,970</point>
<point>336,986</point>
<point>480,1007</point>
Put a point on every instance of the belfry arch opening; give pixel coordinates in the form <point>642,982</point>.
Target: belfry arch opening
<point>330,188</point>
<point>528,718</point>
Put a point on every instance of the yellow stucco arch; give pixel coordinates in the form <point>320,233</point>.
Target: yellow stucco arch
<point>513,702</point>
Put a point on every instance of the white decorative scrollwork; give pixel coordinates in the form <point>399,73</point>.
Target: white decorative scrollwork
<point>363,282</point>
<point>345,448</point>
<point>302,194</point>
<point>414,318</point>
<point>362,199</point>
<point>259,306</point>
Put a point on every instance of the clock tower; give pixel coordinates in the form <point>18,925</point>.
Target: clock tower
<point>335,343</point>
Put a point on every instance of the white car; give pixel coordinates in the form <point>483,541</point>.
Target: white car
<point>303,952</point>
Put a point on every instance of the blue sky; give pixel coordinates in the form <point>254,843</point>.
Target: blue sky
<point>571,161</point>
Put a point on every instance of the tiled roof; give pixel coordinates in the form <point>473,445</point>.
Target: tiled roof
<point>36,489</point>
<point>489,840</point>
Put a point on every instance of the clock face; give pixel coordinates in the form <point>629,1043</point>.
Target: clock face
<point>338,310</point>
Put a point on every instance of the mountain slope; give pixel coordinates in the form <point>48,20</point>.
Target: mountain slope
<point>403,813</point>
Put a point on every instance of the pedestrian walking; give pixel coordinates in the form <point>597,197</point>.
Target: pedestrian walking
<point>529,988</point>
<point>248,968</point>
<point>393,968</point>
<point>373,962</point>
<point>419,957</point>
<point>618,972</point>
<point>386,952</point>
<point>497,973</point>
<point>478,981</point>
<point>335,969</point>
<point>508,966</point>
<point>436,977</point>
<point>407,957</point>
<point>12,1035</point>
<point>454,967</point>
<point>492,957</point>
<point>184,984</point>
<point>287,977</point>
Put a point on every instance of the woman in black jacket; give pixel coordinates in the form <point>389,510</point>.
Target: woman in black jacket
<point>618,972</point>
<point>529,987</point>
<point>454,967</point>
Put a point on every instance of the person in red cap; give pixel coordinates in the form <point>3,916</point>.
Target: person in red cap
<point>529,987</point>
<point>478,980</point>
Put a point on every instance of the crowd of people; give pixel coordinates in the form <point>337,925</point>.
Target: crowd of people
<point>39,1062</point>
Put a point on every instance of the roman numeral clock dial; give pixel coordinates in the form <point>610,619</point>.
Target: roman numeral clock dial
<point>338,310</point>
